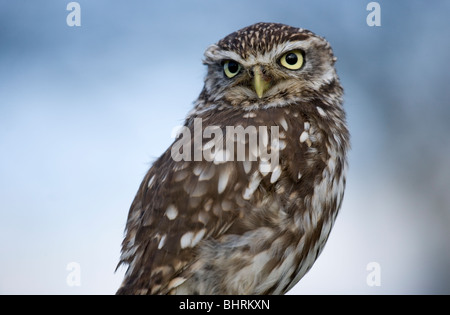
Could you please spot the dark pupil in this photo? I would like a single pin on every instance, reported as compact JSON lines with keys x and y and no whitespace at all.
{"x":233,"y":67}
{"x":291,"y":59}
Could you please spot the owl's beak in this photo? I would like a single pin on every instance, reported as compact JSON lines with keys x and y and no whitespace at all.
{"x":260,"y":81}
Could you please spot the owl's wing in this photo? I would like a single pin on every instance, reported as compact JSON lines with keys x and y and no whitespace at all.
{"x":182,"y":202}
{"x":178,"y":205}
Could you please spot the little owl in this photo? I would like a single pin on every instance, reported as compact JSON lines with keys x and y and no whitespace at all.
{"x":216,"y":214}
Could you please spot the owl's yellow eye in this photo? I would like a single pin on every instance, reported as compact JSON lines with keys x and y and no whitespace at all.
{"x":292,"y":60}
{"x":231,"y":68}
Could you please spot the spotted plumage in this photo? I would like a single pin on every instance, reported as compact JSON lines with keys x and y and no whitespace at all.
{"x":249,"y":216}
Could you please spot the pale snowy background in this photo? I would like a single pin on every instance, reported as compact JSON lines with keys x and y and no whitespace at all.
{"x":84,"y":111}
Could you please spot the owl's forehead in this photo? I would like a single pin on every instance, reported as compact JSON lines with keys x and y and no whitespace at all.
{"x":262,"y":38}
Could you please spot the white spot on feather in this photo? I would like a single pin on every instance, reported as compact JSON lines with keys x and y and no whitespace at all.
{"x":176,"y":282}
{"x":247,"y":166}
{"x":321,"y":111}
{"x":207,"y":173}
{"x":150,"y":182}
{"x":306,"y":125}
{"x":171,"y":212}
{"x":275,"y":174}
{"x":253,"y":184}
{"x":186,"y":239}
{"x":249,"y":115}
{"x":198,"y":169}
{"x":223,"y":181}
{"x":284,"y":124}
{"x":198,"y":237}
{"x":304,"y":136}
{"x":264,"y":167}
{"x":190,"y":239}
{"x":162,"y":241}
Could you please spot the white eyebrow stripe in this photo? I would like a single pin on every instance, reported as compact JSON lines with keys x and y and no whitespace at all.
{"x":251,"y":60}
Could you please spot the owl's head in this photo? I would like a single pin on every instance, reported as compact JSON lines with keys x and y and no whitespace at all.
{"x":268,"y":64}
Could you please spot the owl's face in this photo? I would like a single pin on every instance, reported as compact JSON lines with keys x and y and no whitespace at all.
{"x":267,"y":65}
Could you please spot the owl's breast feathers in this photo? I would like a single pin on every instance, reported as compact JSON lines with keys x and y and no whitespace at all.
{"x":233,"y":223}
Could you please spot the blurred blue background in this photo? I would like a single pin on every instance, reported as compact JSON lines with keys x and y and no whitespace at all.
{"x":85,"y":110}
